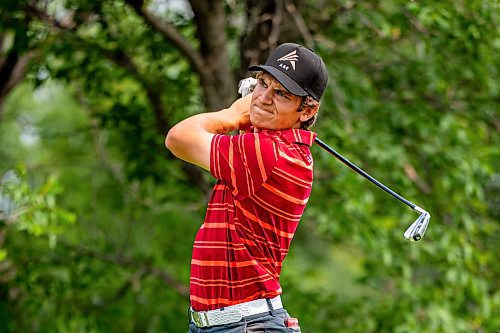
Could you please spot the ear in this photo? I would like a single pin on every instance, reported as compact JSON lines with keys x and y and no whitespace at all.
{"x":308,"y":113}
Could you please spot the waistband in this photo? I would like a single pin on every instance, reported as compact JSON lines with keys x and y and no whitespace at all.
{"x":234,"y":313}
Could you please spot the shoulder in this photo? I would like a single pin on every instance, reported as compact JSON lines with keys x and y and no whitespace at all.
{"x":244,"y":162}
{"x":259,"y":140}
{"x":257,"y":148}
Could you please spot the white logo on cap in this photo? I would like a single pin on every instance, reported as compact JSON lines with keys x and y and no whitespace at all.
{"x":292,"y":57}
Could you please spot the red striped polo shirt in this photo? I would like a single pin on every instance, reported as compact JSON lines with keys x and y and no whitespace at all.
{"x":264,"y":182}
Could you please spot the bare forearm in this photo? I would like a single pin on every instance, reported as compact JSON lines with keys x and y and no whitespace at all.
{"x":190,"y":139}
{"x":217,"y":122}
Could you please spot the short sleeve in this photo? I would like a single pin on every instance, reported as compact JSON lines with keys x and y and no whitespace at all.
{"x":243,"y":162}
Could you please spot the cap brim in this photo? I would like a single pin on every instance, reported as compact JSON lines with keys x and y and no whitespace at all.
{"x":282,"y":78}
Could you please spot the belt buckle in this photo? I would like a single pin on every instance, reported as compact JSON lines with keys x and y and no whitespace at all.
{"x":200,"y":318}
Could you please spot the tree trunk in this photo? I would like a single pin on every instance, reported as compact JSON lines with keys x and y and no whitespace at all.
{"x":13,"y":69}
{"x":218,"y":83}
{"x":269,"y":23}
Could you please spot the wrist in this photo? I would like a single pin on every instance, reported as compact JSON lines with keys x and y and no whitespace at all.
{"x":220,"y":122}
{"x":240,"y":112}
{"x":234,"y":119}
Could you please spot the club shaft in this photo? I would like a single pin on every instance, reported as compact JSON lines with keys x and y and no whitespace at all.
{"x":363,"y":173}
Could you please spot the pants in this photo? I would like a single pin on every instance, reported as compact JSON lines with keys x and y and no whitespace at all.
{"x":268,"y":322}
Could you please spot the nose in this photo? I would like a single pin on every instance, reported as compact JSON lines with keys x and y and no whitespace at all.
{"x":267,"y":95}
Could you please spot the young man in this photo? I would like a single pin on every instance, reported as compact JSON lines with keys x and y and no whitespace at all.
{"x":264,"y":182}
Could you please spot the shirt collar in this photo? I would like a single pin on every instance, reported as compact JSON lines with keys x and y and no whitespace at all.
{"x":294,"y":135}
{"x":301,"y":136}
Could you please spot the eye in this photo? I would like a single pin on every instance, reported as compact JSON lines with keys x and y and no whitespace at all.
{"x":262,"y":82}
{"x":283,"y":94}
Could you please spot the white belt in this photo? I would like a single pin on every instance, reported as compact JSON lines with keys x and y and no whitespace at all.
{"x":233,"y":313}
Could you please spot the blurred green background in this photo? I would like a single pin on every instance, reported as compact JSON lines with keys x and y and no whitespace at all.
{"x":97,"y":219}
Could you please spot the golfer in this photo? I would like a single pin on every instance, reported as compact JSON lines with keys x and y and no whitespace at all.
{"x":264,"y":181}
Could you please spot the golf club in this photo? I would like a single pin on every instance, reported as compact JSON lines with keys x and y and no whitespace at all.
{"x":416,"y":231}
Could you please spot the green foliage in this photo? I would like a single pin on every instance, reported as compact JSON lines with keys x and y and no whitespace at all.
{"x":412,"y":100}
{"x":119,"y":258}
{"x":34,"y":210}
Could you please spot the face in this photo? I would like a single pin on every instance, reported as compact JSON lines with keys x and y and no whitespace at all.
{"x":273,"y":107}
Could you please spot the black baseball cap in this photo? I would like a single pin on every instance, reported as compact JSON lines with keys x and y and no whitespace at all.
{"x":299,"y":69}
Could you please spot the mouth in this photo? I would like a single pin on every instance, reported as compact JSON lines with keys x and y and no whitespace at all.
{"x":260,"y":109}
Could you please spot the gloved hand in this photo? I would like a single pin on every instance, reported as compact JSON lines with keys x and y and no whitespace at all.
{"x":246,"y":86}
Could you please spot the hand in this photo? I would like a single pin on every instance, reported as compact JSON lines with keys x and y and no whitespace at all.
{"x":240,"y":112}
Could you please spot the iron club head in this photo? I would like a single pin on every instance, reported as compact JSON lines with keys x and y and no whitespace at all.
{"x":417,"y":230}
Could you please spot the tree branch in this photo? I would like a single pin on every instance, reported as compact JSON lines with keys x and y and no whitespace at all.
{"x":44,"y":17}
{"x":300,"y":23}
{"x":417,"y":180}
{"x":119,"y":58}
{"x":13,"y":71}
{"x":276,"y":25}
{"x":171,"y":34}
